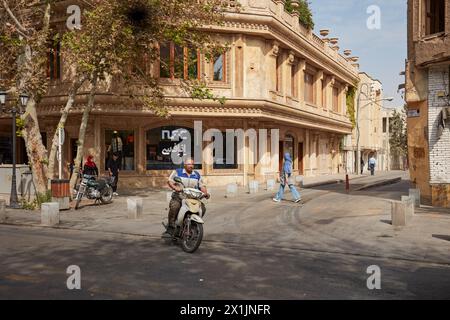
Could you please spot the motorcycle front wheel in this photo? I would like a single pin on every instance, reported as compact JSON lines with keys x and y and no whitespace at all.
{"x":191,"y":238}
{"x":107,"y":195}
{"x":78,"y":200}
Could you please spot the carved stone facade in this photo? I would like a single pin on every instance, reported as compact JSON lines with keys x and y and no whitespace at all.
{"x":277,"y":75}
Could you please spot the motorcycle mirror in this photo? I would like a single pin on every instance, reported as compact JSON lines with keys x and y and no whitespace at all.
{"x":178,"y":179}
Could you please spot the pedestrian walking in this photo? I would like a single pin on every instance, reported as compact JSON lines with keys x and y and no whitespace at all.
{"x":372,"y":163}
{"x":287,"y":178}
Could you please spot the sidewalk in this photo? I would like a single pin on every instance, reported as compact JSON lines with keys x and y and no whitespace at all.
{"x":330,"y":221}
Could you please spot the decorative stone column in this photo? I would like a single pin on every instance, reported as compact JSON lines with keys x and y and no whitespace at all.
{"x":301,"y":77}
{"x":318,"y":87}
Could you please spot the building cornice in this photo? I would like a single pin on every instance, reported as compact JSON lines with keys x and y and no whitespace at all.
{"x":233,"y":108}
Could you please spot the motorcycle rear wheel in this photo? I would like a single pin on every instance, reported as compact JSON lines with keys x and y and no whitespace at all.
{"x":107,"y":195}
{"x":190,"y":242}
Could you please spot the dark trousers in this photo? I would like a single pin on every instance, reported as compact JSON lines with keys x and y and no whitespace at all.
{"x":115,"y":177}
{"x":174,"y":208}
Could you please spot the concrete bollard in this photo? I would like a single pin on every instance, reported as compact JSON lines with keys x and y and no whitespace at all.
{"x":415,"y":193}
{"x":409,"y":206}
{"x":299,"y":181}
{"x":50,"y":213}
{"x":398,"y":213}
{"x":134,"y":208}
{"x":253,"y":186}
{"x":2,"y":210}
{"x":270,"y":185}
{"x":231,"y":190}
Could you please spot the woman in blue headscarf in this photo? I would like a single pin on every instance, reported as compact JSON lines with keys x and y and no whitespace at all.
{"x":285,"y":178}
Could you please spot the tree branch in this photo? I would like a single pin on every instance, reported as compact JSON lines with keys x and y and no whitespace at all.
{"x":19,"y":26}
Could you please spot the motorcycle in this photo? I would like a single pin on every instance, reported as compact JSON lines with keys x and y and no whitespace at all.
{"x":189,"y":222}
{"x":99,"y":190}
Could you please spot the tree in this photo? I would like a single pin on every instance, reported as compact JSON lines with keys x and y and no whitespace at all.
{"x":305,"y":14}
{"x":398,"y":137}
{"x":114,"y":37}
{"x":24,"y":30}
{"x":117,"y":36}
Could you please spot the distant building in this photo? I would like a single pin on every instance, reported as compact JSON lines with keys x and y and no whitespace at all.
{"x":370,"y":126}
{"x":392,"y":161}
{"x":427,"y":96}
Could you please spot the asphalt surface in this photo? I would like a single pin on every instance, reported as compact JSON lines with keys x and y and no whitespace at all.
{"x":34,"y":261}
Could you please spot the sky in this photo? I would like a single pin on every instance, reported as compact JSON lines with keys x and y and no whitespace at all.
{"x":382,"y":51}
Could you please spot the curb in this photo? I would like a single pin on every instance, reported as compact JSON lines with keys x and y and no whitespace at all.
{"x":379,"y":183}
{"x":328,"y":182}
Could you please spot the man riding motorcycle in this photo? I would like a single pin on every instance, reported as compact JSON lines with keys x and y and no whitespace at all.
{"x":190,"y":179}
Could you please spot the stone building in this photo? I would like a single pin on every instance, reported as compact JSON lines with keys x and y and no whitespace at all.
{"x":370,"y":120}
{"x":276,"y":75}
{"x":428,"y":100}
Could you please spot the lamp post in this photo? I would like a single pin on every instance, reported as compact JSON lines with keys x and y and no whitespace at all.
{"x":367,"y":94}
{"x":13,"y":200}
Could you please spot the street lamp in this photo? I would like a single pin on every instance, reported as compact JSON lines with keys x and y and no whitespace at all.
{"x":13,"y":200}
{"x":367,"y":94}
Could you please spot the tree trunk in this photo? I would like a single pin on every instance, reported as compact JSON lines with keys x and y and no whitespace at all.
{"x":82,"y":133}
{"x":62,"y":122}
{"x":37,"y":154}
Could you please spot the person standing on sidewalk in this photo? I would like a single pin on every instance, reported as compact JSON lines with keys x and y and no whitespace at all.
{"x":286,"y":178}
{"x":113,"y":167}
{"x":372,"y":163}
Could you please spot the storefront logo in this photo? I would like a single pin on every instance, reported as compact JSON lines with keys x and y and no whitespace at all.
{"x":227,"y":146}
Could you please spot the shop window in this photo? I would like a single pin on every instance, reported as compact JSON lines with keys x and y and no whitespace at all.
{"x":122,"y":142}
{"x":309,"y":88}
{"x":5,"y":150}
{"x":54,"y":61}
{"x":435,"y":16}
{"x":162,"y":142}
{"x":222,"y":163}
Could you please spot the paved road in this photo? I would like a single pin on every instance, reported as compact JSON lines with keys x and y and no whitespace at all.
{"x":312,"y":253}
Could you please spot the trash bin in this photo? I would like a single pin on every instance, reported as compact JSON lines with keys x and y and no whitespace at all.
{"x":61,"y":193}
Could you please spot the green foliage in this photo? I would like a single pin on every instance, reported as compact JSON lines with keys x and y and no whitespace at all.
{"x":36,"y":202}
{"x":29,"y":205}
{"x":305,"y":13}
{"x":20,"y":124}
{"x":200,"y":91}
{"x":398,"y":137}
{"x":350,"y":99}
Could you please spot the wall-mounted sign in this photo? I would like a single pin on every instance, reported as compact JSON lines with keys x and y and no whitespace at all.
{"x":413,"y":113}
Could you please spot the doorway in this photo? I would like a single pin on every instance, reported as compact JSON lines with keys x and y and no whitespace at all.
{"x":300,"y":158}
{"x":281,"y":154}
